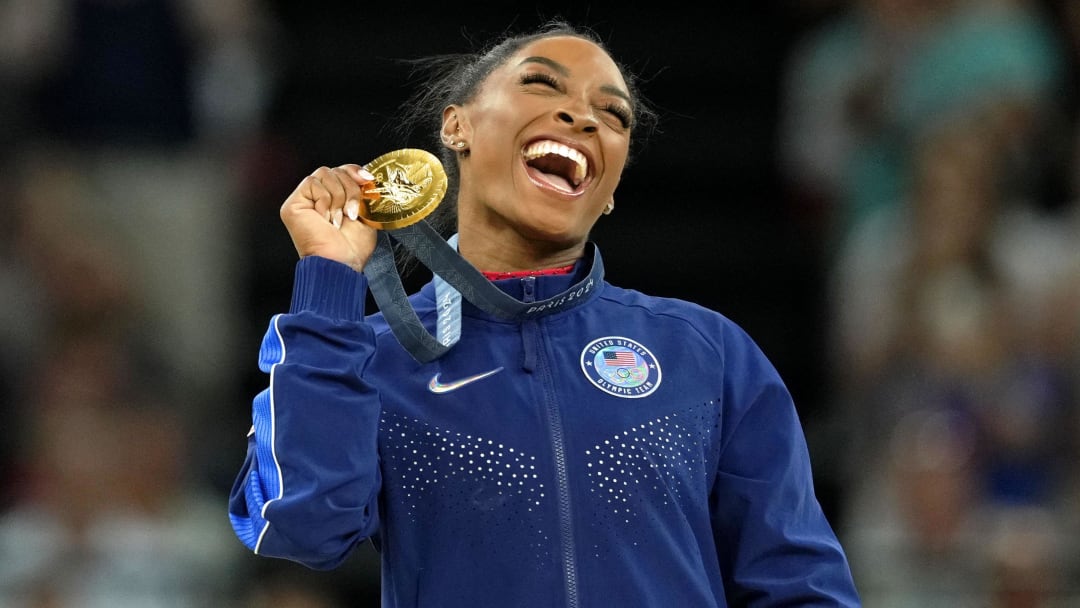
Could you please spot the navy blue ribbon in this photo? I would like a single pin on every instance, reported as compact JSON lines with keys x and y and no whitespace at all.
{"x":447,"y":265}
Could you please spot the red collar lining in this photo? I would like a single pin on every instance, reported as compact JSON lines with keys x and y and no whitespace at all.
{"x":517,"y":274}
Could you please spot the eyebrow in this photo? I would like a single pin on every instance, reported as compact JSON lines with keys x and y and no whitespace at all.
{"x":564,"y":71}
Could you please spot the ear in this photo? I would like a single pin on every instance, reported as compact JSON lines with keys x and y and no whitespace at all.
{"x":451,"y":134}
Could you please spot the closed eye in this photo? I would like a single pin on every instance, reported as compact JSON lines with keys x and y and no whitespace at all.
{"x":532,"y":77}
{"x":619,"y":111}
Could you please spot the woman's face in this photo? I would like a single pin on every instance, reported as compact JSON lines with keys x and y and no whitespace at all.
{"x":548,"y":135}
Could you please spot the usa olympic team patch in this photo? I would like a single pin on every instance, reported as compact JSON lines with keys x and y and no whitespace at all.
{"x":621,"y":367}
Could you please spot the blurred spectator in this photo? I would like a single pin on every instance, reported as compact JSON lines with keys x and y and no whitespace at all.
{"x":123,"y":75}
{"x":122,"y":125}
{"x":860,"y":87}
{"x":1068,"y":15}
{"x":289,"y":585}
{"x":278,"y":593}
{"x":920,"y":139}
{"x":136,"y":72}
{"x":106,"y":511}
{"x":106,"y":515}
{"x":152,"y":102}
{"x":914,"y":538}
{"x":955,"y":310}
{"x":58,"y":279}
{"x":1027,"y":550}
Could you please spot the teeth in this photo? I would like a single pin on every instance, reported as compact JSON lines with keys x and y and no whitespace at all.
{"x":540,"y":148}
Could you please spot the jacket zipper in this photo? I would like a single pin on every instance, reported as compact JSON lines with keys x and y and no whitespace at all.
{"x":531,"y":338}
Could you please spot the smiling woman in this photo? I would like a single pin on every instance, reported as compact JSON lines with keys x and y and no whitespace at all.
{"x":540,"y":460}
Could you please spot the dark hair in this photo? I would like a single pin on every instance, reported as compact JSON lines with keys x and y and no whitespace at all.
{"x":455,"y":78}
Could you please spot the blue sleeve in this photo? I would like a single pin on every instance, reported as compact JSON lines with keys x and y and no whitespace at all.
{"x":308,"y":489}
{"x":775,"y":544}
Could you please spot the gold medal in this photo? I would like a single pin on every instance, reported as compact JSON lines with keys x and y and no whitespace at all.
{"x":409,"y":184}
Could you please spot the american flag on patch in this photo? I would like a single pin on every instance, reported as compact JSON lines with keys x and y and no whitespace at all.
{"x":619,"y":357}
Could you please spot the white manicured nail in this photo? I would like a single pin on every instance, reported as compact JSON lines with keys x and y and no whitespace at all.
{"x":352,"y":209}
{"x":337,"y":218}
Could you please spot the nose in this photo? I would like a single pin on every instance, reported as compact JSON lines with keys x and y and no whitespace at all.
{"x":580,"y":120}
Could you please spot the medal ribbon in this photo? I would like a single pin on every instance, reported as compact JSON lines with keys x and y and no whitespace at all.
{"x":461,"y":279}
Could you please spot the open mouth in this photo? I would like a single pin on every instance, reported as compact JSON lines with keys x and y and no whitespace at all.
{"x":556,"y":165}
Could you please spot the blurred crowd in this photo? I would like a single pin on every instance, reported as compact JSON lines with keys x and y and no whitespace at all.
{"x":931,"y":147}
{"x":130,"y":131}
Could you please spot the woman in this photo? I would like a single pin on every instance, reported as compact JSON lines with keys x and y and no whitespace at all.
{"x":626,"y":450}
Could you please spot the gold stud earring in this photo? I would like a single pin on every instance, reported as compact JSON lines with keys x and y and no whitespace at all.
{"x":608,"y":208}
{"x":460,"y":144}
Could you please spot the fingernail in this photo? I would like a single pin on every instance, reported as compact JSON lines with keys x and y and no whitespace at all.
{"x":352,"y":209}
{"x":337,"y":218}
{"x":365,"y":174}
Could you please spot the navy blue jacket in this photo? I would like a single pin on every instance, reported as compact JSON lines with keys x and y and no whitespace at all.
{"x":632,"y":451}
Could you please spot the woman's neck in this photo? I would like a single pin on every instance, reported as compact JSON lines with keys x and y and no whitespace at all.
{"x":511,"y":253}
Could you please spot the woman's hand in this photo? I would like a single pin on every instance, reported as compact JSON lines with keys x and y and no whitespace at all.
{"x":321,"y":216}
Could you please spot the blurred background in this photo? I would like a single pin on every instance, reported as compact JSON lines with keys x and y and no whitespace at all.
{"x":884,"y":193}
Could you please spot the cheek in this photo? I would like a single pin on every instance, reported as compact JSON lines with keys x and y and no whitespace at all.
{"x":492,"y":167}
{"x":613,"y":170}
{"x":616,"y":147}
{"x":492,"y":146}
{"x":495,"y":116}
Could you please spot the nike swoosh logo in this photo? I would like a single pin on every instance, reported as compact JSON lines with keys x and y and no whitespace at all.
{"x":438,"y":387}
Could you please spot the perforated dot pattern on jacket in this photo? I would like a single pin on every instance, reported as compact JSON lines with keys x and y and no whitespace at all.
{"x":461,"y":482}
{"x":437,"y":474}
{"x":429,"y":456}
{"x":659,"y":464}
